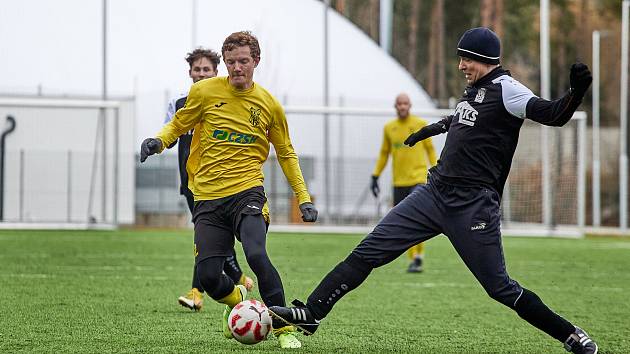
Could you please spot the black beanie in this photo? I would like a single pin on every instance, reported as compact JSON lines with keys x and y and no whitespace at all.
{"x":480,"y":44}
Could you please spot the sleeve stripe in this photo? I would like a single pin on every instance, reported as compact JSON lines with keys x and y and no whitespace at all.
{"x":515,"y":96}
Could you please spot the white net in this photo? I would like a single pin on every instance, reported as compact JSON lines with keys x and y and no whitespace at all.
{"x":523,"y":198}
{"x":68,"y":163}
{"x":349,"y":139}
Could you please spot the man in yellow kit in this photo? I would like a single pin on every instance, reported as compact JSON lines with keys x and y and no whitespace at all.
{"x":203,"y":64}
{"x":234,"y":120}
{"x":409,"y":167}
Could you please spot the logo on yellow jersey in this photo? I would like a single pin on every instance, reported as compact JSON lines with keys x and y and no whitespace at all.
{"x":233,"y":137}
{"x":254,"y":116}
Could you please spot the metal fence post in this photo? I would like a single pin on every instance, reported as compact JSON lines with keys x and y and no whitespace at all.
{"x":69,"y":187}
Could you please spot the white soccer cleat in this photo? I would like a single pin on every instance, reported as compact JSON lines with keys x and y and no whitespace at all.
{"x":192,"y":300}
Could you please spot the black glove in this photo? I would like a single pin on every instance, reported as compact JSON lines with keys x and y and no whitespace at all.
{"x":149,"y":147}
{"x":309,"y":213}
{"x":374,"y":187}
{"x":580,"y":78}
{"x":416,"y":137}
{"x":429,"y":131}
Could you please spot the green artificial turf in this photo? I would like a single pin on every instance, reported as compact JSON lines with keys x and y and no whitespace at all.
{"x":101,"y":292}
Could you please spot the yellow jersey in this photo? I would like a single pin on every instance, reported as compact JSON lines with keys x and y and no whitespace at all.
{"x":231,"y":140}
{"x":409,"y":164}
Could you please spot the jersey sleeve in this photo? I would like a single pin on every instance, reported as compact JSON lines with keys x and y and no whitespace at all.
{"x":383,"y":155}
{"x":553,"y":113}
{"x":287,"y":158}
{"x":184,"y":119}
{"x":515,"y":96}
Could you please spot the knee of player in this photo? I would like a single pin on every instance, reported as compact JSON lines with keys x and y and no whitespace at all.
{"x":506,"y":295}
{"x":356,"y":261}
{"x":208,"y":274}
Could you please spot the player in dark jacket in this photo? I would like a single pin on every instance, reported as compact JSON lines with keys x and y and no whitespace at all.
{"x":463,"y":194}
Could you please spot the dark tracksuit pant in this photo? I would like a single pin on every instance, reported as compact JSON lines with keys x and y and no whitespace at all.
{"x":468,"y":216}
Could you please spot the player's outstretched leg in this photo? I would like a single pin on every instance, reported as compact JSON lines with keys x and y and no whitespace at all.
{"x":253,"y":232}
{"x":489,"y":268}
{"x":531,"y":308}
{"x":345,"y":277}
{"x":487,"y":264}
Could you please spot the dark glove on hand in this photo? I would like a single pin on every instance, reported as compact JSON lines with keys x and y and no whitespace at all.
{"x":429,"y":131}
{"x":375,"y":189}
{"x":580,"y":78}
{"x":149,"y":147}
{"x":414,"y":138}
{"x":309,"y":213}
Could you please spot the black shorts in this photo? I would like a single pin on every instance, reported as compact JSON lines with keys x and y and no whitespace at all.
{"x":217,"y":221}
{"x":401,"y":193}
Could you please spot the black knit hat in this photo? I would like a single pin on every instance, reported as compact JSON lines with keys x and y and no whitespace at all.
{"x":480,"y":44}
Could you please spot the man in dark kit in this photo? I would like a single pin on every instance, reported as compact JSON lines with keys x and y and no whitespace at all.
{"x":462,"y":197}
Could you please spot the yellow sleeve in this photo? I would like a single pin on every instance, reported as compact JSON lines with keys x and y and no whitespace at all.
{"x":184,"y":119}
{"x":428,"y":147}
{"x":287,"y":158}
{"x":383,"y":155}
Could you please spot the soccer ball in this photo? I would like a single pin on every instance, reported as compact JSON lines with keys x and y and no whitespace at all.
{"x":249,"y":321}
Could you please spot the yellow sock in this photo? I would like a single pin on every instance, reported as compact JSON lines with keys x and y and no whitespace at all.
{"x":420,"y":249}
{"x":241,"y":280}
{"x":232,"y":299}
{"x":411,"y":252}
{"x":416,"y":251}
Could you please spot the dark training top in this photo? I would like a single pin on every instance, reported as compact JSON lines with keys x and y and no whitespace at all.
{"x":183,"y":146}
{"x":483,"y":131}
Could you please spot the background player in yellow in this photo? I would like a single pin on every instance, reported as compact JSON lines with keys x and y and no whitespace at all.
{"x":235,"y":120}
{"x":202,"y":64}
{"x":409,"y":165}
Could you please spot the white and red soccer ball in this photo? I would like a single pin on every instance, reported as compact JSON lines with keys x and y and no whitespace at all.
{"x":249,"y":321}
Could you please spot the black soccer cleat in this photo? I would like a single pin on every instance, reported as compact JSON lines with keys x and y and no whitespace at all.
{"x":415,"y":266}
{"x":580,"y":343}
{"x":299,"y":316}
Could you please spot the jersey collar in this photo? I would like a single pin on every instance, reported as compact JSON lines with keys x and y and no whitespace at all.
{"x":496,"y":72}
